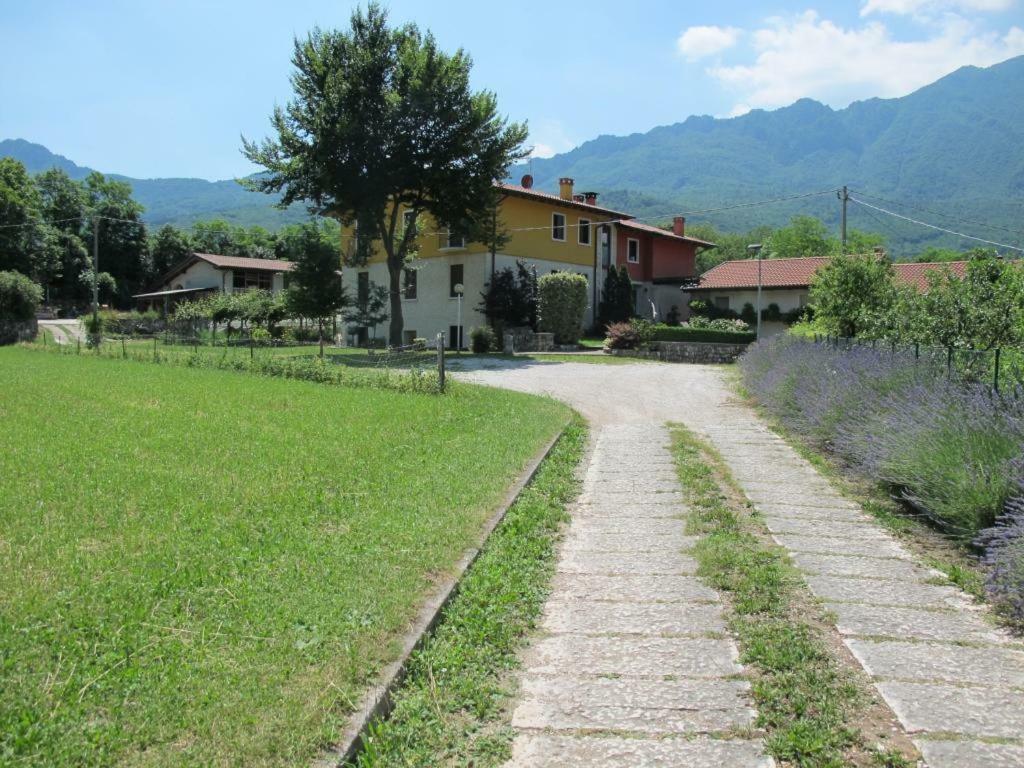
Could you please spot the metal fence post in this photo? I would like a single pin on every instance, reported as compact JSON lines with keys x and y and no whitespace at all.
{"x":949,"y":363}
{"x":154,"y":349}
{"x":995,"y":382}
{"x":78,"y":346}
{"x":440,"y":361}
{"x":124,"y":349}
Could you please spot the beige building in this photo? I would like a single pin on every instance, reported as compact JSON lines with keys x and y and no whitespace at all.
{"x":202,"y":273}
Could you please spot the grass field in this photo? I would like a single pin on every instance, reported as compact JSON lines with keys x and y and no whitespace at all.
{"x":200,"y":567}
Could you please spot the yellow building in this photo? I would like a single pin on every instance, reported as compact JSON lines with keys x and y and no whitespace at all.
{"x":551,"y":232}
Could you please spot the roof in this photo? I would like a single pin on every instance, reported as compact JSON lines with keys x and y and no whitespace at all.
{"x":797,"y":273}
{"x":244,"y":262}
{"x":536,"y":194}
{"x":632,"y":224}
{"x":175,"y":292}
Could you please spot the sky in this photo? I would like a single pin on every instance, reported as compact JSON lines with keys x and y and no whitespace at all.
{"x":162,"y":88}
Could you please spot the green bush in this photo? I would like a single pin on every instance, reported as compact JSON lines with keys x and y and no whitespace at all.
{"x":483,"y":339}
{"x":621,"y":336}
{"x":709,"y":335}
{"x":563,"y":302}
{"x":260,"y":337}
{"x":19,"y":297}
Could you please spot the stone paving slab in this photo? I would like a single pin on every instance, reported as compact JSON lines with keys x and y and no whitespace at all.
{"x":893,"y":659}
{"x":943,"y":708}
{"x":663,"y":562}
{"x":815,"y":544}
{"x":828,"y":529}
{"x":544,"y":750}
{"x":618,"y":542}
{"x":632,"y":588}
{"x":633,"y":656}
{"x":866,"y":567}
{"x":970,"y":754}
{"x":883,"y":592}
{"x":601,"y":618}
{"x":641,"y":526}
{"x":630,"y":511}
{"x":905,"y":622}
{"x":838,"y":514}
{"x":631,"y":705}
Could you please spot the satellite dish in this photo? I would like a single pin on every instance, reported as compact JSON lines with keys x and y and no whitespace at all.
{"x":527,"y":181}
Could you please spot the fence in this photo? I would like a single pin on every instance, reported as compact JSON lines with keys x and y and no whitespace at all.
{"x":1001,"y":368}
{"x":420,"y":357}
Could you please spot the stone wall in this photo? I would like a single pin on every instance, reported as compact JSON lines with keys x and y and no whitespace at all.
{"x":12,"y":332}
{"x":685,"y":352}
{"x":526,"y":340}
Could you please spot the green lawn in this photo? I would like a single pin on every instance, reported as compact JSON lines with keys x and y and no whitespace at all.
{"x":201,"y":567}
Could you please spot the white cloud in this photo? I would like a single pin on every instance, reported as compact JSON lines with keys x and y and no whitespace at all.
{"x":811,"y":56}
{"x":541,"y":149}
{"x":699,"y":42}
{"x":549,"y":137}
{"x":930,"y":7}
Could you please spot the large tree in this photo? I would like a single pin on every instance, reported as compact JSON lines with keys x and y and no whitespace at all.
{"x":167,"y":247}
{"x":123,"y":246}
{"x":851,"y":293}
{"x":316,"y":290}
{"x":384,"y":122}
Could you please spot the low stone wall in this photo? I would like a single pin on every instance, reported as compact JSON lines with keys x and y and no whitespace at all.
{"x":12,"y":332}
{"x":685,"y":352}
{"x":526,"y":340}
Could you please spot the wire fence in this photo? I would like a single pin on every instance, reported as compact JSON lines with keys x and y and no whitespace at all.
{"x":422,"y":356}
{"x":1001,"y":368}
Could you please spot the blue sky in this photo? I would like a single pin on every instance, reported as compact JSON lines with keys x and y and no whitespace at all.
{"x":164,"y":88}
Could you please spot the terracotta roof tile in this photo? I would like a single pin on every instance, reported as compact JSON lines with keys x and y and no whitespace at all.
{"x":917,"y":274}
{"x":243,"y":262}
{"x":516,"y":189}
{"x":797,"y":273}
{"x":662,"y":232}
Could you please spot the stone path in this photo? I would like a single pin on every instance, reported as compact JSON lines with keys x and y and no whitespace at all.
{"x":633,"y":666}
{"x":955,"y":682}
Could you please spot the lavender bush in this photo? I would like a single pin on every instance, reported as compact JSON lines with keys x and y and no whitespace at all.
{"x":947,"y":446}
{"x":1004,"y":555}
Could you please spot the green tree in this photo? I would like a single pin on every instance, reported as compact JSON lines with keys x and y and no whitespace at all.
{"x":27,"y":243}
{"x":803,"y":236}
{"x":370,"y":309}
{"x":63,"y":203}
{"x":851,"y":292}
{"x":563,"y":303}
{"x":123,"y":246}
{"x":19,"y":296}
{"x":616,"y":304}
{"x":509,"y":299}
{"x":167,"y":247}
{"x":315,"y":290}
{"x":384,"y":122}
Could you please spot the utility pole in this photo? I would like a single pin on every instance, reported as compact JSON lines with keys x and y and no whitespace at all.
{"x":844,"y":197}
{"x":95,"y":269}
{"x":755,"y":248}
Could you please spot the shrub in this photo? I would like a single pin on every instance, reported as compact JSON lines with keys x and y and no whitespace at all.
{"x":260,"y":337}
{"x":621,"y":336}
{"x":93,"y":329}
{"x":19,"y":297}
{"x":562,"y":304}
{"x":483,"y":339}
{"x":718,"y":324}
{"x":688,"y":332}
{"x":1004,"y":555}
{"x":748,"y":314}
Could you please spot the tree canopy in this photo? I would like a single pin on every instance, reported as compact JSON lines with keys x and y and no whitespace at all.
{"x":382,"y":121}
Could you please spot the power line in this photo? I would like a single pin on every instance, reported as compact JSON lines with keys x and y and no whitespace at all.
{"x":936,"y":227}
{"x":943,"y":214}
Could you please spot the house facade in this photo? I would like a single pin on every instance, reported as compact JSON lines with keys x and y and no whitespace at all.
{"x":204,"y":273}
{"x":787,"y":283}
{"x":550,"y":232}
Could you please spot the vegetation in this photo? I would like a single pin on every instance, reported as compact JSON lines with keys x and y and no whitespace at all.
{"x":384,"y":123}
{"x":483,"y":339}
{"x":639,"y":333}
{"x":452,"y":707}
{"x":561,"y":305}
{"x":235,"y":612}
{"x":316,"y":290}
{"x":19,"y":297}
{"x":616,"y":298}
{"x":807,"y":702}
{"x":509,"y":299}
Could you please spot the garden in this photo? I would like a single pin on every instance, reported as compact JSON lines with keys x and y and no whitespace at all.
{"x":199,"y":564}
{"x":910,"y":401}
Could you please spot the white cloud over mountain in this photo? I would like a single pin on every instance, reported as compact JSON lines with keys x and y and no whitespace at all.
{"x":699,"y":42}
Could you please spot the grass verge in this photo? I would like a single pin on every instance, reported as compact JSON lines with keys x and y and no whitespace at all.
{"x":200,"y":567}
{"x":452,"y":708}
{"x":814,"y":709}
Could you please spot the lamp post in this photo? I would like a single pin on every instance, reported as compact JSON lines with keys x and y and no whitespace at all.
{"x":459,"y":290}
{"x":755,"y":248}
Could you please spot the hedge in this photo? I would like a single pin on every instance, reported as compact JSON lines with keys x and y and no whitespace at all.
{"x":681,"y":333}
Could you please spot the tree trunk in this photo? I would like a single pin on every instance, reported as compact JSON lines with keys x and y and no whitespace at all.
{"x":397,"y":324}
{"x":321,"y":338}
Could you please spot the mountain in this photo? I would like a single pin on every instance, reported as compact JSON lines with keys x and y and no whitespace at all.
{"x":955,"y":148}
{"x":949,"y":152}
{"x":171,"y":201}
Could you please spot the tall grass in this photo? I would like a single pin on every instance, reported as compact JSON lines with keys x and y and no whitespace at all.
{"x":947,"y":446}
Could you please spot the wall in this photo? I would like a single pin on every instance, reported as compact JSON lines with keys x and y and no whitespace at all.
{"x":433,"y":311}
{"x":673,"y":258}
{"x":202,"y":274}
{"x":686,"y":352}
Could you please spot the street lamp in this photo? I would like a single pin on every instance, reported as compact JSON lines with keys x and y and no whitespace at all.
{"x":459,"y":290}
{"x":755,"y":248}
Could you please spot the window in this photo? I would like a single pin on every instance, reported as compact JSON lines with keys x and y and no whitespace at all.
{"x":409,"y":289}
{"x":558,"y":226}
{"x":583,"y":235}
{"x":802,"y":300}
{"x":251,"y":279}
{"x":606,"y":246}
{"x":633,"y":251}
{"x":722,"y":302}
{"x":454,"y":337}
{"x":450,"y":238}
{"x":363,"y":287}
{"x":409,"y":221}
{"x":455,"y":273}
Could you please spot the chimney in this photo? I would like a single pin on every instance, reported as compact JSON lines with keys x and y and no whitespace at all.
{"x":565,"y":188}
{"x":590,"y":198}
{"x":527,"y":181}
{"x":679,"y":226}
{"x":577,"y":198}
